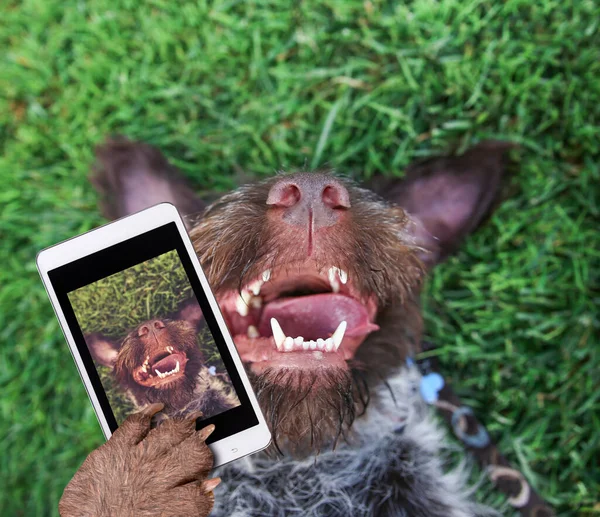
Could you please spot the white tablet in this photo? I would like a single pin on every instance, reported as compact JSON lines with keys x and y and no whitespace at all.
{"x":143,"y":326}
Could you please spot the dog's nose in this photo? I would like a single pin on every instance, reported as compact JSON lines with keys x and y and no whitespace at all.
{"x":310,"y":199}
{"x":146,"y":327}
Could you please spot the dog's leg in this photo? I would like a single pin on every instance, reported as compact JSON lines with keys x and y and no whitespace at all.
{"x":131,"y":176}
{"x":448,"y":197}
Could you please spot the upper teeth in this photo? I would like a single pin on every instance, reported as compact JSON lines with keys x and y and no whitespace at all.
{"x":166,"y":374}
{"x":242,"y":301}
{"x":170,"y":349}
{"x":335,"y":273}
{"x":255,"y":287}
{"x":288,"y":344}
{"x":249,"y":297}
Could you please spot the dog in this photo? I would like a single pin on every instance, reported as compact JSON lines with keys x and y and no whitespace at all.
{"x":318,"y":279}
{"x":160,"y":361}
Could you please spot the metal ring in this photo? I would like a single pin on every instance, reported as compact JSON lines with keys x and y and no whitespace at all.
{"x":479,"y":440}
{"x":522,"y":498}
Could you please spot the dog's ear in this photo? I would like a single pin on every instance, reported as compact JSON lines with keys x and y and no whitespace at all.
{"x":103,"y":350}
{"x":131,"y":176}
{"x":449,"y":197}
{"x":191,"y":312}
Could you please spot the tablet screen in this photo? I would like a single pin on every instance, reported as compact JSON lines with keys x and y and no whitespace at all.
{"x":147,"y":334}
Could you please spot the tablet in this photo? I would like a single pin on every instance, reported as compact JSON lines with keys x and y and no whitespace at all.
{"x":143,"y":326}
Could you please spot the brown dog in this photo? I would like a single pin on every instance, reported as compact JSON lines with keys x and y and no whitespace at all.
{"x":139,"y":362}
{"x":318,"y":280}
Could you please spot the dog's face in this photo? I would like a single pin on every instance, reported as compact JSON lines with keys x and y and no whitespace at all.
{"x":304,"y":266}
{"x":157,"y":361}
{"x":158,"y":355}
{"x":301,"y":285}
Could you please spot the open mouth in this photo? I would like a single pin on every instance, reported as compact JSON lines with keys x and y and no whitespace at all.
{"x":162,"y":368}
{"x":299,"y":316}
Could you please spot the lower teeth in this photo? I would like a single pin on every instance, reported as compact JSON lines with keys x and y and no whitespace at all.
{"x":288,"y":344}
{"x":166,"y":374}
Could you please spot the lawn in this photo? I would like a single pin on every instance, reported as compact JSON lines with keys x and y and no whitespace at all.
{"x":233,"y":90}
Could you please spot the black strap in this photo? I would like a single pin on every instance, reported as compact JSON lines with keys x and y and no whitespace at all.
{"x":474,"y":436}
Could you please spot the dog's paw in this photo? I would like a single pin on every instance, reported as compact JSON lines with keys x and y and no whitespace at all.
{"x":146,"y":472}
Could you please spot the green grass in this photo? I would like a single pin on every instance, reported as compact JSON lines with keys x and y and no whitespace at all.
{"x":364,"y":86}
{"x":114,"y":305}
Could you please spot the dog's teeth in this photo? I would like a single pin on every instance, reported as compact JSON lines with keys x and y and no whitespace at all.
{"x":338,"y":335}
{"x":278,"y":334}
{"x":266,"y":275}
{"x":320,"y":344}
{"x":333,"y":279}
{"x":256,"y":302}
{"x":328,"y":344}
{"x":334,"y":273}
{"x":306,"y":345}
{"x":144,"y":368}
{"x":159,"y":374}
{"x":255,"y":287}
{"x":299,"y":341}
{"x":241,"y":305}
{"x":170,"y":349}
{"x":343,"y":276}
{"x":177,"y":367}
{"x":288,"y":344}
{"x":253,"y":331}
{"x":313,"y":345}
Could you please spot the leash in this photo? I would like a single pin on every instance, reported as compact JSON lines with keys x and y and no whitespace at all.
{"x":474,"y":436}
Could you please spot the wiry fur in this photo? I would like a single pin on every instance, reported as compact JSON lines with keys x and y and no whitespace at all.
{"x":236,"y":241}
{"x":144,"y":472}
{"x":306,"y":409}
{"x":389,"y":455}
{"x":391,"y":465}
{"x":211,"y":395}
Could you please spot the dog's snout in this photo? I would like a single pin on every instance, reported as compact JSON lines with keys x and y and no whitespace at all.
{"x":309,"y":199}
{"x":155,"y":325}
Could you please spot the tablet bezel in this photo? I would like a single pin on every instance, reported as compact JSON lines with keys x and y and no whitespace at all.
{"x":225,"y":450}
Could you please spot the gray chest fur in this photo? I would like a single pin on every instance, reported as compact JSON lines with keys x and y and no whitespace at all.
{"x":391,"y":466}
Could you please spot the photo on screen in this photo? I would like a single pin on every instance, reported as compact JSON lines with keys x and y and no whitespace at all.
{"x":149,"y":342}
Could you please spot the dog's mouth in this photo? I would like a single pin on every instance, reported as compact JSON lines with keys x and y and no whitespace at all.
{"x":163,"y":368}
{"x":299,"y":316}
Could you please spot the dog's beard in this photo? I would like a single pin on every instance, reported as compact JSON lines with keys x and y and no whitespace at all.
{"x":310,"y":409}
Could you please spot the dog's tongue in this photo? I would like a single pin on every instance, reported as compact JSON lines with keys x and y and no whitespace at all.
{"x":168,"y":363}
{"x":316,"y":316}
